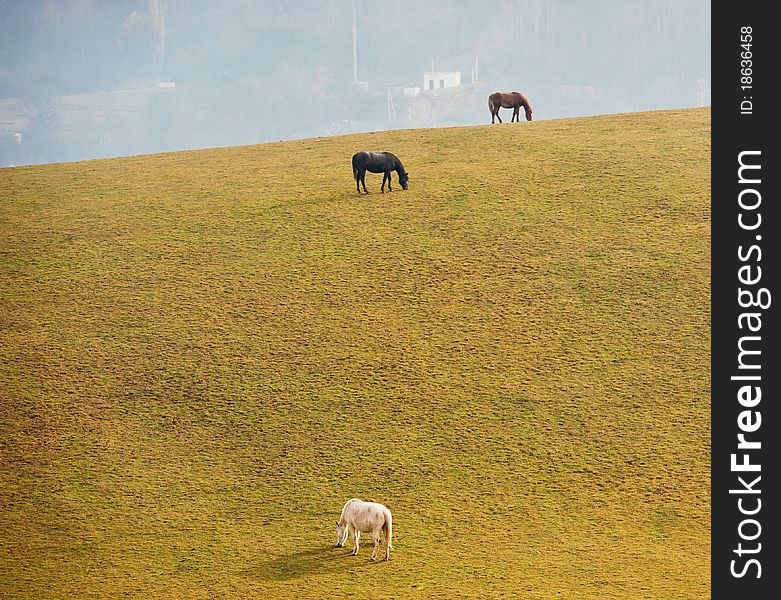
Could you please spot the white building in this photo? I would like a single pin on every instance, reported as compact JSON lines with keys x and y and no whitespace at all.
{"x":438,"y":80}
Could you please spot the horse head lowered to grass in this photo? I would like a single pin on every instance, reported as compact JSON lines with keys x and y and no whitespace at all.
{"x":378,"y":162}
{"x":514,"y":100}
{"x":365,"y":517}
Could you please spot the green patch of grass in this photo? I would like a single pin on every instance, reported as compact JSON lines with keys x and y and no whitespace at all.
{"x":204,"y":354}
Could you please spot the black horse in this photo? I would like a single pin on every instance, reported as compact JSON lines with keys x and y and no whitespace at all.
{"x":378,"y":162}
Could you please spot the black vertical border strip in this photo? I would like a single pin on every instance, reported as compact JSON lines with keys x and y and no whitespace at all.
{"x":731,"y":134}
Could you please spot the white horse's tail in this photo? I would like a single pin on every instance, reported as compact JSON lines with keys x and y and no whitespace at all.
{"x":388,"y":529}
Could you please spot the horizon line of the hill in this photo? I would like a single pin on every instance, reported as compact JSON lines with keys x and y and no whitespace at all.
{"x":359,"y":133}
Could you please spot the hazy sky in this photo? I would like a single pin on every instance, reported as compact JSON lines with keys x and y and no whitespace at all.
{"x":83,"y":78}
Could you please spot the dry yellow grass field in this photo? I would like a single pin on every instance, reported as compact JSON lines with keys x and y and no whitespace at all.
{"x":204,"y":354}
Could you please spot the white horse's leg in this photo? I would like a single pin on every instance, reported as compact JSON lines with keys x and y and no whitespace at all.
{"x":376,"y":535}
{"x":356,"y":540}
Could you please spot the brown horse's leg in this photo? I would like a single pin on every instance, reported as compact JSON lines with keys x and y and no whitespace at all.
{"x":497,"y":115}
{"x":515,"y":115}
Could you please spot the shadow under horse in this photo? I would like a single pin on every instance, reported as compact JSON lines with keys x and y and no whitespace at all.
{"x":378,"y":162}
{"x":308,"y":563}
{"x":514,"y":100}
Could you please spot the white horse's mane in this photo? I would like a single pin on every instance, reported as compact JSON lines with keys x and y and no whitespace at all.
{"x":346,"y":504}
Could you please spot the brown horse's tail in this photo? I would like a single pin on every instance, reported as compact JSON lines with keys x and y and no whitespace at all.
{"x":491,"y":104}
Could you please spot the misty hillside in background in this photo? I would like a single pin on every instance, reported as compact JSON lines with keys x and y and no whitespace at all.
{"x":81,"y":79}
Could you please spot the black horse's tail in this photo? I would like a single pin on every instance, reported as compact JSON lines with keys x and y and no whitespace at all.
{"x":355,"y":174}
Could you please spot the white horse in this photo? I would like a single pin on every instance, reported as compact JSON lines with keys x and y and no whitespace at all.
{"x":364,"y":517}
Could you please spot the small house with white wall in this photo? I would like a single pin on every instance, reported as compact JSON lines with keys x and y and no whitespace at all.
{"x":438,"y":80}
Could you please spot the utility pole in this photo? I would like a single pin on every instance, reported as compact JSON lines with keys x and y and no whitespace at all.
{"x":391,"y":106}
{"x":157,"y":11}
{"x":355,"y":46}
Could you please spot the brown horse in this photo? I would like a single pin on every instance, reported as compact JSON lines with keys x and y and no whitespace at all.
{"x":512,"y":100}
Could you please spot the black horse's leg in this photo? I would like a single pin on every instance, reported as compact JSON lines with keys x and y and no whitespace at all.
{"x":358,"y":180}
{"x":361,"y":176}
{"x":384,"y":177}
{"x":390,"y":189}
{"x":363,"y":181}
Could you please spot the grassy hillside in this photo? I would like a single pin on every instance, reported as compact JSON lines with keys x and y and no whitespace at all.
{"x":204,"y":354}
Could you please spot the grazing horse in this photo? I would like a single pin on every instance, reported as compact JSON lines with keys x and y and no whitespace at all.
{"x":512,"y":100}
{"x":378,"y":162}
{"x":364,"y":517}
